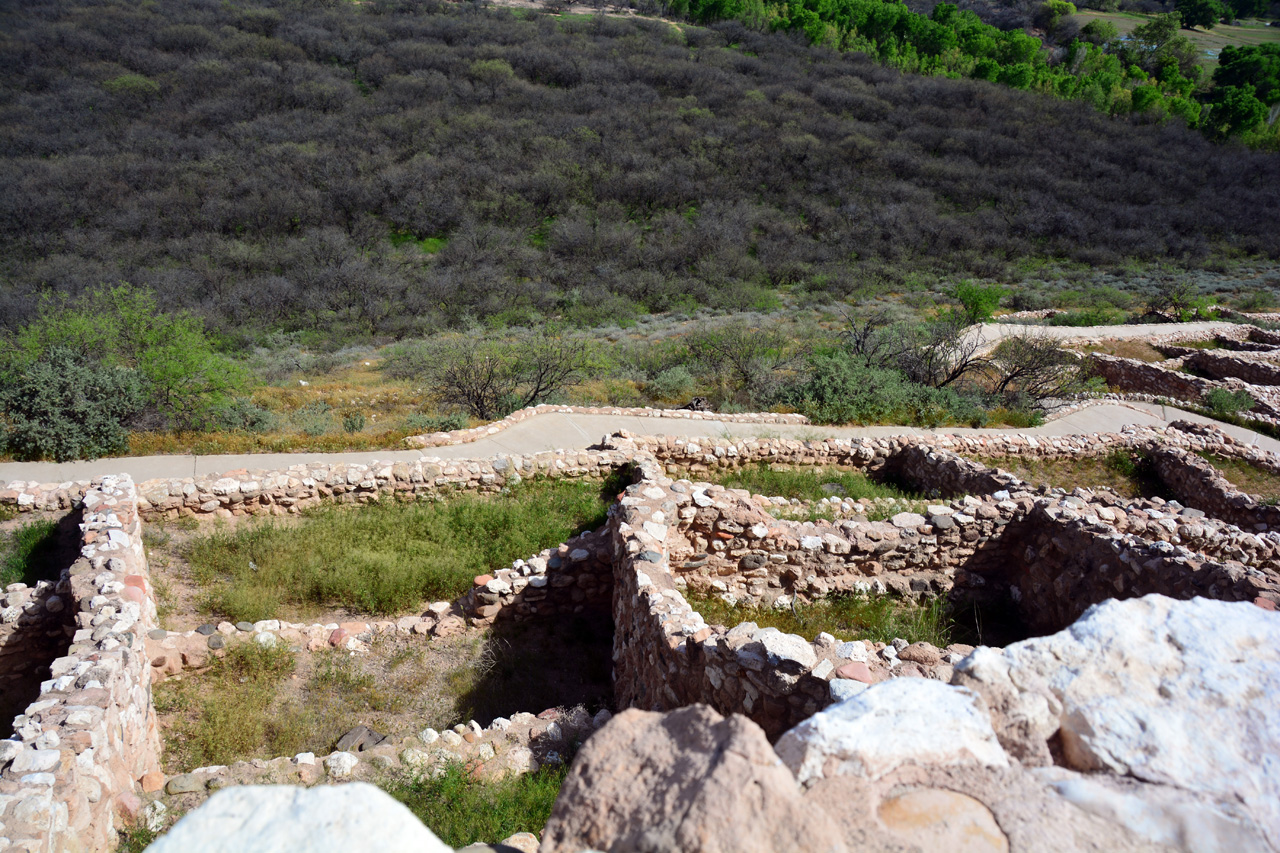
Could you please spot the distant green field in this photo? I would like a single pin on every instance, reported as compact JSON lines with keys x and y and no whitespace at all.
{"x":1210,"y":41}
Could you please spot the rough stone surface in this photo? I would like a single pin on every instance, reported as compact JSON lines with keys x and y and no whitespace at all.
{"x":688,"y":780}
{"x":283,"y":818}
{"x":936,"y":819}
{"x":902,"y":721}
{"x":1181,"y":693}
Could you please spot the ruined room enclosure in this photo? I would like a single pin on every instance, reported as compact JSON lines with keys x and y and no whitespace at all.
{"x":36,"y":623}
{"x":621,"y":593}
{"x":232,"y":691}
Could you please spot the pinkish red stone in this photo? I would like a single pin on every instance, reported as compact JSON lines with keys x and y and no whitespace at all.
{"x":338,"y":637}
{"x":856,"y":671}
{"x":135,"y":580}
{"x":353,"y":628}
{"x":1265,"y":603}
{"x":133,"y":594}
{"x":128,"y":806}
{"x":481,"y":580}
{"x":549,"y":714}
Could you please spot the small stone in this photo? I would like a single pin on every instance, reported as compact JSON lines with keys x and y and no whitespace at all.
{"x":157,"y":633}
{"x":921,"y":653}
{"x":217,"y":641}
{"x":247,"y":627}
{"x":340,"y":764}
{"x":207,"y":629}
{"x":525,"y":842}
{"x":187,"y":783}
{"x":9,"y":750}
{"x":152,"y":782}
{"x":855,"y":650}
{"x":856,"y":671}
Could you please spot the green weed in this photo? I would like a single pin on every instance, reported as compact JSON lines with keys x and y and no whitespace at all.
{"x":807,"y":484}
{"x":386,"y":558}
{"x":846,"y":617}
{"x":462,"y":810}
{"x":229,"y":713}
{"x":29,"y":555}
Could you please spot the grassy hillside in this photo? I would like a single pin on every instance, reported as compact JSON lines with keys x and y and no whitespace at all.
{"x":384,"y":169}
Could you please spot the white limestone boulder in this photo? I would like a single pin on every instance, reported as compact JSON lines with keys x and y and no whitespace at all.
{"x":891,"y":724}
{"x":350,"y":818}
{"x":1177,"y":693}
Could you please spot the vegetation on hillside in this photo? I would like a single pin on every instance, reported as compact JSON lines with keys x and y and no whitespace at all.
{"x":384,"y":169}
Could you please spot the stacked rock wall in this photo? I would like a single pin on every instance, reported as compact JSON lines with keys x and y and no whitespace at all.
{"x":79,"y":749}
{"x":1073,"y":556}
{"x":1143,"y":378}
{"x":1220,"y":365}
{"x":1198,"y":483}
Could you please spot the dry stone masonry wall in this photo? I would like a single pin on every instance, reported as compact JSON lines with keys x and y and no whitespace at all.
{"x":69,"y":772}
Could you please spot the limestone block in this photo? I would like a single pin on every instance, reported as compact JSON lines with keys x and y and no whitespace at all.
{"x":279,"y":819}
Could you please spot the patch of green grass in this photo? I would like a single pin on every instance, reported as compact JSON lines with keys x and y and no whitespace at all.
{"x":389,"y":557}
{"x":462,"y":810}
{"x":1121,"y":471}
{"x":29,"y":553}
{"x":806,"y":484}
{"x":229,"y":713}
{"x":427,"y":245}
{"x":846,"y":617}
{"x":1247,"y":478}
{"x":135,"y":838}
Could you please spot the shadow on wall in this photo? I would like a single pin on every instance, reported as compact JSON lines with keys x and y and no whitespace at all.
{"x":37,"y":623}
{"x":541,"y":663}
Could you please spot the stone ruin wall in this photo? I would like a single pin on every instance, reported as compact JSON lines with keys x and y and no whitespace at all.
{"x":663,"y":538}
{"x":1248,"y":366}
{"x":70,"y":770}
{"x":1218,"y":365}
{"x":670,"y":537}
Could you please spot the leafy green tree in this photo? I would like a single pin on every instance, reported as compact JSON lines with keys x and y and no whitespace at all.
{"x":1255,"y":65}
{"x":1233,"y":110}
{"x":1100,"y":32}
{"x":979,"y":301}
{"x":65,"y":406}
{"x":1200,"y":13}
{"x":185,"y":380}
{"x":493,"y":74}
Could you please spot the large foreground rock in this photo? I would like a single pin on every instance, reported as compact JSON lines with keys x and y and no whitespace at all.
{"x":1184,"y":694}
{"x":689,"y":781}
{"x":352,"y":818}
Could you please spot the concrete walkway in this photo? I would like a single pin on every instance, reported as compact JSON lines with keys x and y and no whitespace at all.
{"x":993,"y":333}
{"x":576,"y":431}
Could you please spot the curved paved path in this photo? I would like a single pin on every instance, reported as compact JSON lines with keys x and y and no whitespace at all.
{"x":576,"y":431}
{"x":993,"y":333}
